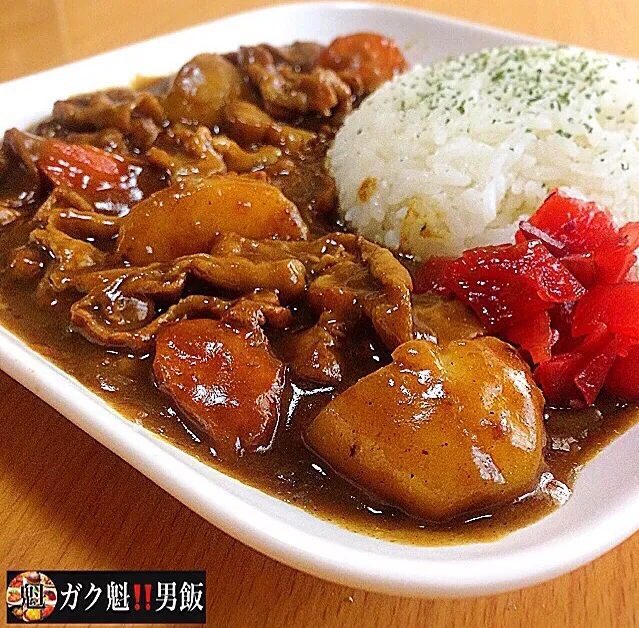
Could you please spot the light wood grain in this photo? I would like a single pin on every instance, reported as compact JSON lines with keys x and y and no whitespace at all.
{"x":68,"y":503}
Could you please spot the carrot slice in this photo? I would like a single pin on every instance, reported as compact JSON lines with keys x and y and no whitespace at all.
{"x":373,"y":58}
{"x":224,"y":378}
{"x":103,"y":178}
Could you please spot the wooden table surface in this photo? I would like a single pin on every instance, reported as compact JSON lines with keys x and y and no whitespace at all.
{"x":66,"y":502}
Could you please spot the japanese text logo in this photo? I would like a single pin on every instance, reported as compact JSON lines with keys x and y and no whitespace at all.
{"x":116,"y":597}
{"x":31,"y":596}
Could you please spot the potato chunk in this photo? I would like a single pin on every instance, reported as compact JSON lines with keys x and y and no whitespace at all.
{"x":439,"y":432}
{"x":185,"y":219}
{"x":443,"y":319}
{"x":202,"y":89}
{"x":224,"y":378}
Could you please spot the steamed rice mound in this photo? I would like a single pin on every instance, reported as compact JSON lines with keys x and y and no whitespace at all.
{"x":454,"y":155}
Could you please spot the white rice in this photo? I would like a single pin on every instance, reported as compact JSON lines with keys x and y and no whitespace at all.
{"x":454,"y":155}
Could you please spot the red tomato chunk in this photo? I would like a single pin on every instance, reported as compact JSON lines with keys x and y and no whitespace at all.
{"x":590,"y":243}
{"x":563,"y":293}
{"x":507,"y":284}
{"x":623,"y":379}
{"x":614,"y":306}
{"x":535,"y":336}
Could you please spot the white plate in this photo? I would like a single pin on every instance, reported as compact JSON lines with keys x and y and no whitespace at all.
{"x":604,"y":509}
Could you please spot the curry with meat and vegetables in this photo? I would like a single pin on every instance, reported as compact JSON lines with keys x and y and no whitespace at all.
{"x":175,"y":247}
